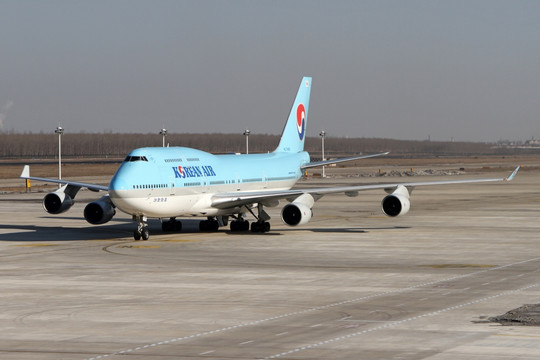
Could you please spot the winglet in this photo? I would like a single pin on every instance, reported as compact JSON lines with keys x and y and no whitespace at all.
{"x":26,"y":172}
{"x":513,"y":174}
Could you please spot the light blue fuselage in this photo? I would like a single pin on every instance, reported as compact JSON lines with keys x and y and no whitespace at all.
{"x":177,"y":181}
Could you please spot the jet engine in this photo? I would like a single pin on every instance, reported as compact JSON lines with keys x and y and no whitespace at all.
{"x":299,"y":211}
{"x":58,"y":201}
{"x":99,"y":211}
{"x":397,"y":203}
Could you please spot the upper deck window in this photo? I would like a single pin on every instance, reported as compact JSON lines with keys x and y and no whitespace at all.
{"x":135,"y":158}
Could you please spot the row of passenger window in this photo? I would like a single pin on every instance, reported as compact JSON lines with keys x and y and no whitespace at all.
{"x":180,"y":160}
{"x":143,"y":158}
{"x":162,"y":186}
{"x":150,"y":186}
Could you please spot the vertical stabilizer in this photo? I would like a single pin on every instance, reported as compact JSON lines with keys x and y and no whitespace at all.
{"x":294,"y":133}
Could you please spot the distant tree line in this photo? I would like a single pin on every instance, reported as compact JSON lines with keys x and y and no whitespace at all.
{"x":40,"y":145}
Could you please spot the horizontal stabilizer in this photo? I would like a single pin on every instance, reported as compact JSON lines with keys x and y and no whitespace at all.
{"x":336,"y":161}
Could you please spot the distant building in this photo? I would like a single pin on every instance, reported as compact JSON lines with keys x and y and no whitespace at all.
{"x":519,"y":144}
{"x":532,"y":142}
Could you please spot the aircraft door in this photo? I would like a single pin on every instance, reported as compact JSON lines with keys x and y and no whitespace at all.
{"x":204,"y":183}
{"x":172,"y":185}
{"x":238,"y":186}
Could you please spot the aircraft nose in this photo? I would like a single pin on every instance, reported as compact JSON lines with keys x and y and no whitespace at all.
{"x":118,"y":182}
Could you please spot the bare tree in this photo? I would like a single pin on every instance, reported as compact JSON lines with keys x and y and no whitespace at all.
{"x":41,"y":145}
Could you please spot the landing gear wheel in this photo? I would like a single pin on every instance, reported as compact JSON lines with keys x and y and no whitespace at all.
{"x":239,"y":225}
{"x":142,"y":228}
{"x":171,"y":225}
{"x":203,"y":225}
{"x":166,"y":226}
{"x":261,"y":227}
{"x":177,"y":226}
{"x":255,"y":227}
{"x":145,"y":234}
{"x":210,"y":225}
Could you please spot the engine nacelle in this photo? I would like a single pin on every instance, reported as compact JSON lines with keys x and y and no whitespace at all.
{"x":99,"y":211}
{"x":296,"y":214}
{"x":57,"y":202}
{"x":299,"y":211}
{"x":396,"y":204}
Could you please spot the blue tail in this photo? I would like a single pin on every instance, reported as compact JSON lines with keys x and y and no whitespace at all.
{"x":294,"y":133}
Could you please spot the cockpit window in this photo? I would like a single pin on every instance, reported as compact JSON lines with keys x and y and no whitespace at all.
{"x":135,"y":158}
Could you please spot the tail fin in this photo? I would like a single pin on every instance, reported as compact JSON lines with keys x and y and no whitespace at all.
{"x":294,"y":133}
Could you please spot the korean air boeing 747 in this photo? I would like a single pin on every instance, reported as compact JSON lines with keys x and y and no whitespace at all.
{"x":172,"y":182}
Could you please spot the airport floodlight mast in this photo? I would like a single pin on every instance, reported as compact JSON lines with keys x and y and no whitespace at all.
{"x":163,"y":132}
{"x":60,"y":131}
{"x":322,"y":135}
{"x":246,"y":134}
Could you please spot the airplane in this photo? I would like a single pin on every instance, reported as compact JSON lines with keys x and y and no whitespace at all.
{"x":171,"y":182}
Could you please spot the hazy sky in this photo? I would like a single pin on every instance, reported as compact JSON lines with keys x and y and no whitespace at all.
{"x":468,"y":70}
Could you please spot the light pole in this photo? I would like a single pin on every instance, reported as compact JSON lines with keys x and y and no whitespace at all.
{"x":246,"y":134}
{"x":163,"y":132}
{"x":322,"y":134}
{"x":60,"y":131}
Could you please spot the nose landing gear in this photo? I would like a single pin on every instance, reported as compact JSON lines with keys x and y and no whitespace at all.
{"x":142,"y":228}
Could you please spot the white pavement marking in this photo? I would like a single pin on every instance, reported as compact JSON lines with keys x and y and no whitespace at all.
{"x":327,"y":306}
{"x":433,"y":313}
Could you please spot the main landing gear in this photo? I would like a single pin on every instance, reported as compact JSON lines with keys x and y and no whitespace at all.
{"x":209,"y":225}
{"x":142,"y":228}
{"x":240,"y":224}
{"x":261,"y":225}
{"x":243,"y":225}
{"x":171,"y":225}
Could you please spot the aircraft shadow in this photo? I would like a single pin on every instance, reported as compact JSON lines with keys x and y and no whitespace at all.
{"x":125,"y":230}
{"x":58,"y":234}
{"x":319,"y":230}
{"x":355,"y":230}
{"x":56,"y":217}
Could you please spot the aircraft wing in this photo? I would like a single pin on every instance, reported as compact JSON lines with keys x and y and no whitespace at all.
{"x":231,"y":200}
{"x":228,"y":200}
{"x":93,"y":187}
{"x":335,"y":161}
